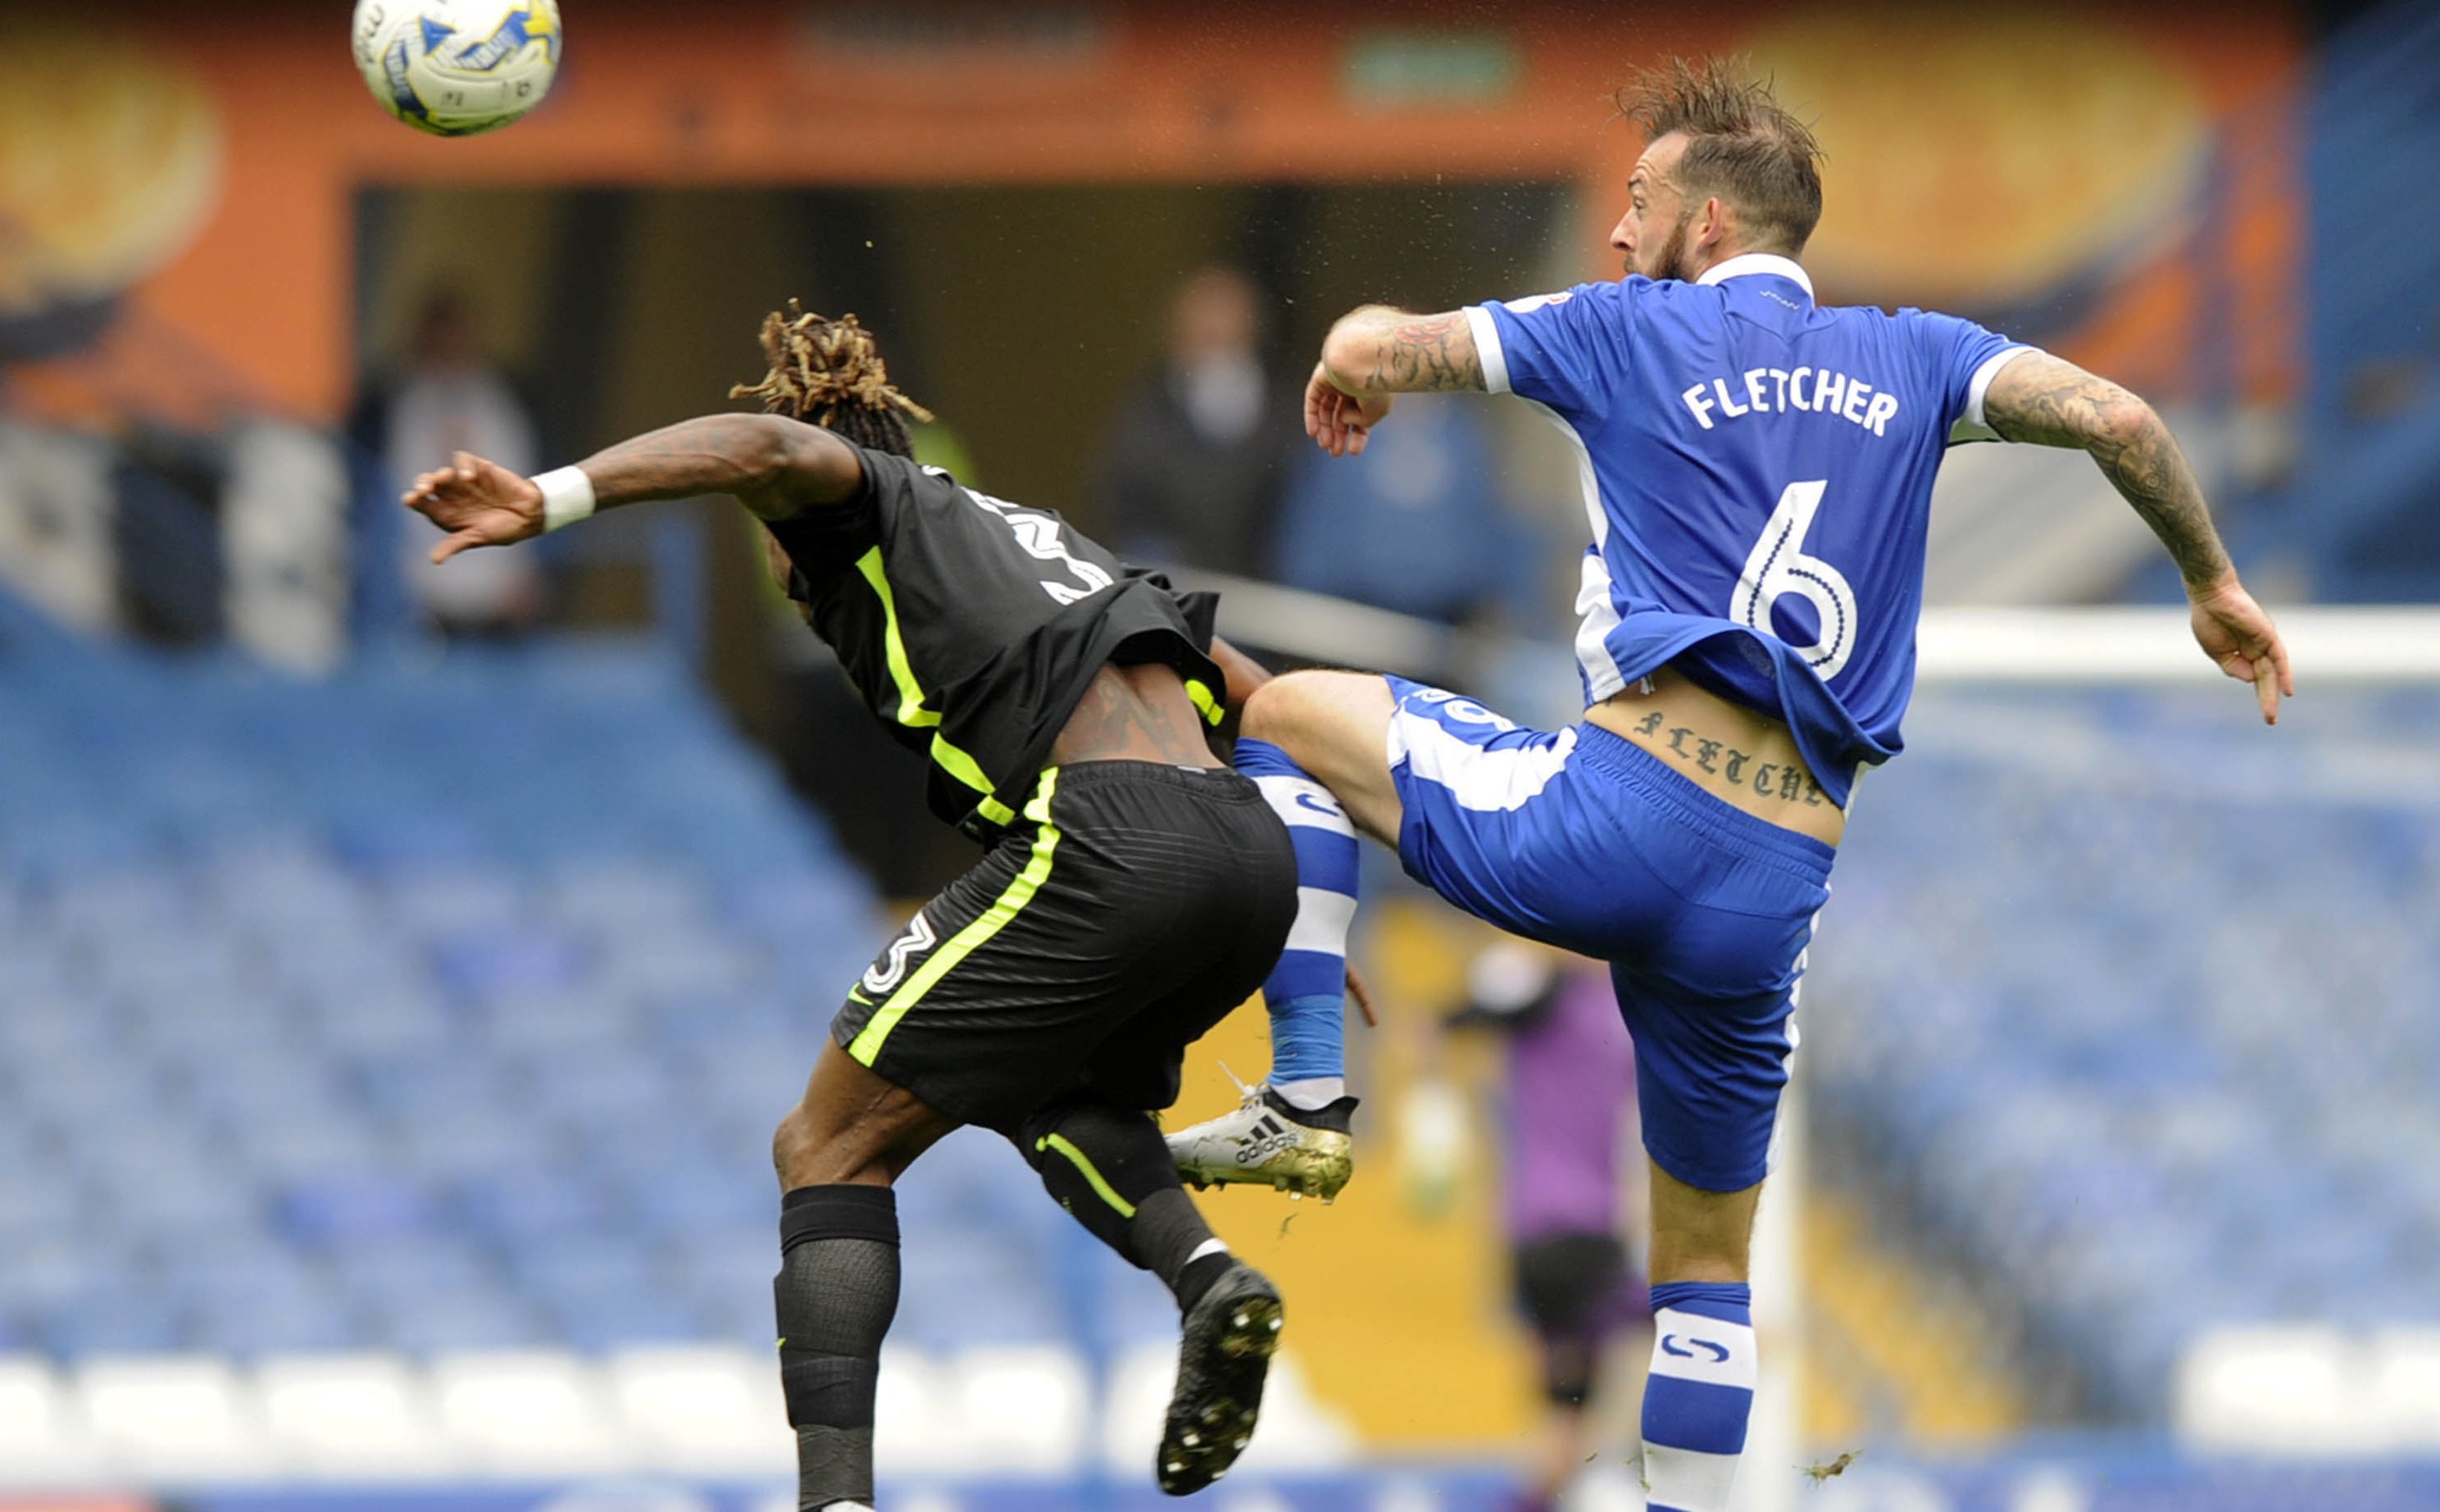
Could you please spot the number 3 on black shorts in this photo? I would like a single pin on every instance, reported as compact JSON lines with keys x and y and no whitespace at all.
{"x":885,"y":974}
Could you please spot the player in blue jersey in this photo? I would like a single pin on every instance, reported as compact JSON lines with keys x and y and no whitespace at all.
{"x":1757,"y":473}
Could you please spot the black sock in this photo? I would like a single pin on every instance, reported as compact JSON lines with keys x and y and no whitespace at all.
{"x":1109,"y":1166}
{"x":1168,"y":1232}
{"x":835,"y":1294}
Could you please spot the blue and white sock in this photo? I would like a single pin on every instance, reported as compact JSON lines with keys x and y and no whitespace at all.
{"x":1699,"y":1394}
{"x":1307,"y":991}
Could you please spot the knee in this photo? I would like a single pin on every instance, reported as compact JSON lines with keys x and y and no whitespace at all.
{"x":1266,"y":708}
{"x":797,"y":1148}
{"x":1068,"y":1115}
{"x":1120,"y":1146}
{"x":810,"y":1150}
{"x":1281,"y":706}
{"x":865,"y":1145}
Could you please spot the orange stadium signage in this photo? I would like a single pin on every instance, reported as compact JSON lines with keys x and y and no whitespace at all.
{"x":2049,"y":150}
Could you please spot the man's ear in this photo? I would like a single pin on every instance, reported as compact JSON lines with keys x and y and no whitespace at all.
{"x":1714,"y":227}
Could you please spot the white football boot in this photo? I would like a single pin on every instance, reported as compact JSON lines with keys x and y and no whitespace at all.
{"x":1269,"y":1142}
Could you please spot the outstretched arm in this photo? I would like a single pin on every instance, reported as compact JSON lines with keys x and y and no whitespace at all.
{"x":777,"y":468}
{"x":2048,"y":401}
{"x":1375,"y":351}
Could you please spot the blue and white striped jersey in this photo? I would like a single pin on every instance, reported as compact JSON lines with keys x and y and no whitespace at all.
{"x":1758,"y":471}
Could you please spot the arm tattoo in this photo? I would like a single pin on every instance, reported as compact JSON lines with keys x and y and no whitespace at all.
{"x":2039,"y":399}
{"x":760,"y":459}
{"x":1407,"y":353}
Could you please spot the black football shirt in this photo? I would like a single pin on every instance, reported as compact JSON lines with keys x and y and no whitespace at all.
{"x":970,"y":626}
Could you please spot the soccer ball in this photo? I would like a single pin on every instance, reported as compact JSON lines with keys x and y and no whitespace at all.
{"x":455,"y":67}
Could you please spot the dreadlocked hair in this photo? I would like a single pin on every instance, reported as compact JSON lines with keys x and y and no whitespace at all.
{"x":830,"y":373}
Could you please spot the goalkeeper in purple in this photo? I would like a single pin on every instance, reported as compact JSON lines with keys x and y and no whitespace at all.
{"x":1757,"y":469}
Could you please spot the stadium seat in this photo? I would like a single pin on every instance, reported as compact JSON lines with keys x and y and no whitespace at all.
{"x":32,"y":1202}
{"x":1019,"y":1409}
{"x":311,"y":1321}
{"x":42,"y":1432}
{"x":971,"y":1286}
{"x":604,"y":901}
{"x":2403,"y":1382}
{"x":2272,"y":1390}
{"x":354,"y":1208}
{"x":527,"y":1412}
{"x":704,"y":1411}
{"x":174,"y":1417}
{"x":356,"y":1416}
{"x":93,"y":1324}
{"x":480,"y":1318}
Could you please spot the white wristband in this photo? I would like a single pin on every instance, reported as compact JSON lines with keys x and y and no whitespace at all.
{"x":567,"y":496}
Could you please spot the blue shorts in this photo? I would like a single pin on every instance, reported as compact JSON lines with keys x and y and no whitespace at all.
{"x":1581,"y":839}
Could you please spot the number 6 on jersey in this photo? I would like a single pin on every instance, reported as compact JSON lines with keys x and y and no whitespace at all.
{"x":1778,"y":566}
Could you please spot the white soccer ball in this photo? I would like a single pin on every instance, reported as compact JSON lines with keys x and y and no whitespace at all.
{"x":455,"y":67}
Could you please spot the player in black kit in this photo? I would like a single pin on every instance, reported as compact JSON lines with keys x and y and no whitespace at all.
{"x":1134,"y":891}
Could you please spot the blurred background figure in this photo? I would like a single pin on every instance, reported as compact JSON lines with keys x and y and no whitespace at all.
{"x":1192,"y":467}
{"x":447,"y":398}
{"x":1570,"y":1188}
{"x":1417,"y":524}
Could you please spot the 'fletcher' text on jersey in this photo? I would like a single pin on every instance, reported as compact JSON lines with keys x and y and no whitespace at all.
{"x":1775,"y":391}
{"x":1757,"y":472}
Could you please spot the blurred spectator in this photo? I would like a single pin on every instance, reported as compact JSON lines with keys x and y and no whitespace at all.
{"x":449,"y":400}
{"x":1415,"y":524}
{"x":1570,"y":1197}
{"x":1192,"y":471}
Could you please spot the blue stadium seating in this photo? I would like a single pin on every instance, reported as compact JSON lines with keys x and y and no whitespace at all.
{"x":2129,"y":1002}
{"x":428,"y":1007}
{"x":425,"y":1009}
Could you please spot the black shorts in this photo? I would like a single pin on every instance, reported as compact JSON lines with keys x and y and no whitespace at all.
{"x":1128,"y":910}
{"x":1576,"y":1295}
{"x":1570,"y":1283}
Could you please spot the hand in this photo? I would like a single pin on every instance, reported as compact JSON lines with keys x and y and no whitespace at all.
{"x":2235,"y":632}
{"x":479,"y":503}
{"x":1360,"y":991}
{"x":1339,"y":421}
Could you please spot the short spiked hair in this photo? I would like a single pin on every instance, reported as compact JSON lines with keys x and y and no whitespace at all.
{"x":1741,"y":145}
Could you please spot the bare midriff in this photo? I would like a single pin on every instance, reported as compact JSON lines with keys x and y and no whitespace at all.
{"x":1135,"y":713}
{"x":1743,"y":756}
